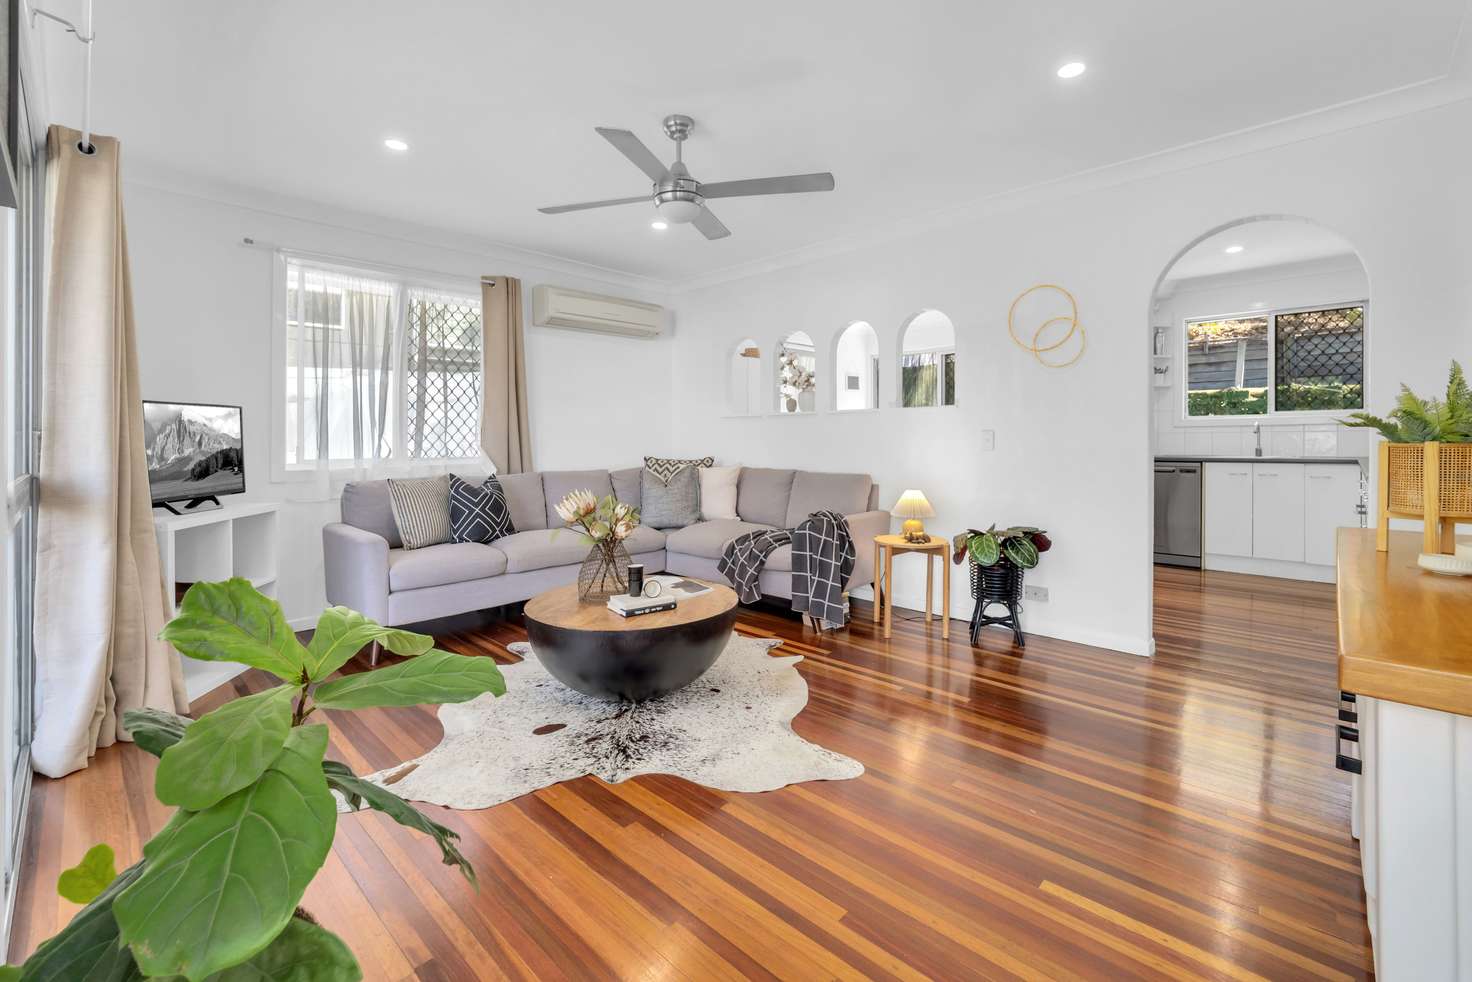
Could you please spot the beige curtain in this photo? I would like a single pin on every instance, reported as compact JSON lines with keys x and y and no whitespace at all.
{"x":99,"y":594}
{"x":504,"y":435}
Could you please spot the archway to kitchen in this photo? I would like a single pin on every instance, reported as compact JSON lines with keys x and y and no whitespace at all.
{"x":1258,"y":335}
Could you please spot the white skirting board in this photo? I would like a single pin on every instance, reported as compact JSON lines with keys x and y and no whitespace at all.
{"x":1269,"y":567}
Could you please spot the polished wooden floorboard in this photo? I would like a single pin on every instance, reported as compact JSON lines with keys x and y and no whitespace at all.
{"x":1058,"y":812}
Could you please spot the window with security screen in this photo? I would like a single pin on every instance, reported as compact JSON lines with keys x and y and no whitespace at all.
{"x":442,"y":355}
{"x":1276,"y":361}
{"x":375,"y":368}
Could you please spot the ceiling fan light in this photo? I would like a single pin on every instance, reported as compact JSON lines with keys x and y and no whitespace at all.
{"x":678,"y":212}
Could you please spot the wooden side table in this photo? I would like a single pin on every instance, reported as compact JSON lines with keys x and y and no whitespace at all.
{"x":885,"y":547}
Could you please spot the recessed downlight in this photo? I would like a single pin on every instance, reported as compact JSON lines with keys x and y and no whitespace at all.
{"x":395,"y":144}
{"x":1232,"y":250}
{"x":659,"y":224}
{"x":1072,"y":70}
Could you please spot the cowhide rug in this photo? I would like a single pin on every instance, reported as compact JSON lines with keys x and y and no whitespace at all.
{"x":730,"y":730}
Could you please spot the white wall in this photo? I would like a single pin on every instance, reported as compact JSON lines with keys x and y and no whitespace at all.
{"x":203,"y":307}
{"x":1299,"y":285}
{"x":1073,"y":445}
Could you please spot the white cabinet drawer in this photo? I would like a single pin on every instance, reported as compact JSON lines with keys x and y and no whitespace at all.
{"x":1277,"y":512}
{"x":1331,"y":497}
{"x":1226,"y":509}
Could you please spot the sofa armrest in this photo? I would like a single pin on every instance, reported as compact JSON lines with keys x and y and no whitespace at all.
{"x":356,"y":568}
{"x":862,"y":528}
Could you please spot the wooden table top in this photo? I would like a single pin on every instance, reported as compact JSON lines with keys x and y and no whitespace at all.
{"x":1404,"y":634}
{"x":560,"y":608}
{"x":900,"y":542}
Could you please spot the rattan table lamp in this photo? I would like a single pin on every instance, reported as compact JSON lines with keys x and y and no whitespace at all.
{"x":912,"y":507}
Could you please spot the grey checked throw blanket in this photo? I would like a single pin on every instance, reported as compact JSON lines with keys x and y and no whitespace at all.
{"x":822,"y":561}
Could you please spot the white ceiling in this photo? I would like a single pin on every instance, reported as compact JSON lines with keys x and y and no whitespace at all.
{"x":1264,"y":244}
{"x":913,"y":108}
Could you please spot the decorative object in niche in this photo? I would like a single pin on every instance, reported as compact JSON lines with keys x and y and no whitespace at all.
{"x":797,"y":375}
{"x":1074,"y":335}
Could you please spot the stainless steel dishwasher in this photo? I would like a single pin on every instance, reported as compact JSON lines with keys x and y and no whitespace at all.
{"x":1178,"y":513}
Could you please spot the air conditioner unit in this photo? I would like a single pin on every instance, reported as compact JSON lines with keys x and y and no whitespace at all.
{"x":556,"y":306}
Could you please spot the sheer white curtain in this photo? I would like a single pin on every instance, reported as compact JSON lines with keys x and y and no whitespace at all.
{"x":344,"y":341}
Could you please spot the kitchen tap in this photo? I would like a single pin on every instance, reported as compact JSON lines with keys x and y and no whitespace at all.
{"x":1257,"y":435}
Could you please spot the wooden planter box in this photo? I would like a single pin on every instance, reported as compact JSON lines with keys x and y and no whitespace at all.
{"x":1427,"y":481}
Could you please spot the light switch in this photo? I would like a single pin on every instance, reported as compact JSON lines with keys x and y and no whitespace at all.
{"x":988,"y":439}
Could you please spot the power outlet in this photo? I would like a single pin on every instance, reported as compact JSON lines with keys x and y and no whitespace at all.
{"x":988,"y":440}
{"x":1038,"y":593}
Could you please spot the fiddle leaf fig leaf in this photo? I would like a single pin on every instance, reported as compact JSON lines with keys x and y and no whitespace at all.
{"x":87,"y":948}
{"x":341,"y":633}
{"x":301,"y":951}
{"x":225,"y":750}
{"x":155,"y":730}
{"x":84,"y":882}
{"x":219,"y":884}
{"x":359,"y":794}
{"x":232,"y":621}
{"x":436,"y":677}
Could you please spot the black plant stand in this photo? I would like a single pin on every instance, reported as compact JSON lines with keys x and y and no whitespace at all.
{"x":999,"y":584}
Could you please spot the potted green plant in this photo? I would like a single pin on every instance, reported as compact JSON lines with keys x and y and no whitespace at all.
{"x":216,"y":893}
{"x":1428,"y":445}
{"x":999,"y":558}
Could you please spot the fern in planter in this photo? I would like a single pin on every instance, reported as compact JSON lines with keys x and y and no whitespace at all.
{"x":215,"y":895}
{"x":1418,"y":420}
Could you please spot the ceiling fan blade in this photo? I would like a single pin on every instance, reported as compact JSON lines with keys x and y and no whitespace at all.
{"x":710,"y":226}
{"x":581,"y":206}
{"x":791,"y":184}
{"x":632,"y":147}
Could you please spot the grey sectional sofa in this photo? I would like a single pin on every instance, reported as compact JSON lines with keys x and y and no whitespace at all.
{"x":368,"y":569}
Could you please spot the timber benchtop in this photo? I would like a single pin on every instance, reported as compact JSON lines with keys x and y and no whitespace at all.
{"x":1404,"y":634}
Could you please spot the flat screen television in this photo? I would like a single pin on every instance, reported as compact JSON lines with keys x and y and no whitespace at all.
{"x":194,"y":452}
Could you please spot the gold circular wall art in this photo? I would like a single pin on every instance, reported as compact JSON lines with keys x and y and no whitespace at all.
{"x":1065,"y":328}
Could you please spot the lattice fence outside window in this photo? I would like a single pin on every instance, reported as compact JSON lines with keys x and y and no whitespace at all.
{"x":1320,"y":359}
{"x":442,"y":385}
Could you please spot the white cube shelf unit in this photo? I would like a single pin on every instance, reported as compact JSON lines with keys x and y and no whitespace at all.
{"x":237,"y":540}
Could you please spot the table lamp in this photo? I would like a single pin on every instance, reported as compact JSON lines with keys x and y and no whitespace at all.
{"x":912,"y":507}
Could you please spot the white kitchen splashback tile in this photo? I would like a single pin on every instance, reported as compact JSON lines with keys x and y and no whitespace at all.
{"x":1355,"y":441}
{"x":1198,"y":441}
{"x":1171,"y":442}
{"x":1283,"y":441}
{"x":1227,"y":443}
{"x":1321,"y":440}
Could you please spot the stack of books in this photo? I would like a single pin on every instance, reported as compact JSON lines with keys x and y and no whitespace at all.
{"x":626,"y":606}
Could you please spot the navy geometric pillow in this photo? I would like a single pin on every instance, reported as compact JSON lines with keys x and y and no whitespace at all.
{"x":478,"y":513}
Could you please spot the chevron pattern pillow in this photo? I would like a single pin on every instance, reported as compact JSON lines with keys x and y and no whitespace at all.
{"x":665,"y":468}
{"x":478,"y":513}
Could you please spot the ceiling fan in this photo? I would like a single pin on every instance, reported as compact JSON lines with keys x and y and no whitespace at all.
{"x":680,"y":198}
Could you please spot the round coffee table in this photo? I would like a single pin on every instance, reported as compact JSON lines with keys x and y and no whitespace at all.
{"x":590,"y":649}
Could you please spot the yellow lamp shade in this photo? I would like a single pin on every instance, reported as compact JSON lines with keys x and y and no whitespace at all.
{"x":912,"y":507}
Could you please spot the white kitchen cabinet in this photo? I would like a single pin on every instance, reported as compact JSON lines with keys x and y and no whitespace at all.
{"x":1277,"y":512}
{"x":1226,"y":509}
{"x":1331,"y":497}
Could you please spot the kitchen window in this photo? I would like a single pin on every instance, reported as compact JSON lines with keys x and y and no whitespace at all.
{"x":1291,"y":360}
{"x":375,"y":367}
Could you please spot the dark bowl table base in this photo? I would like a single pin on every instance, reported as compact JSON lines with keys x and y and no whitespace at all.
{"x":590,"y":649}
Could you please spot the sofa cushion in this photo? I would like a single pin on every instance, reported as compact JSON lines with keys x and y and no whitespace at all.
{"x":448,"y":562}
{"x":421,"y":508}
{"x":478,"y":511}
{"x":524,"y":498}
{"x":718,"y":487}
{"x":847,"y":494}
{"x":626,"y":484}
{"x":762,"y":495}
{"x":556,"y":485}
{"x":673,"y":504}
{"x":365,"y":505}
{"x":708,"y":539}
{"x":564,"y":547}
{"x":665,"y":468}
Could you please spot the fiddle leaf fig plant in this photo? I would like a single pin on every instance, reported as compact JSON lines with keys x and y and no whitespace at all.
{"x":216,"y":893}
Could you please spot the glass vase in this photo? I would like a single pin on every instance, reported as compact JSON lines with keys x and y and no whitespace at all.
{"x":605,"y":573}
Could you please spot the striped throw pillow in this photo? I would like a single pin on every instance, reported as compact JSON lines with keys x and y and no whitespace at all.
{"x":666,"y":468}
{"x":421,"y":509}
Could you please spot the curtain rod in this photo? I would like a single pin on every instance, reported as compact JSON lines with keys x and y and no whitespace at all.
{"x":326,"y":257}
